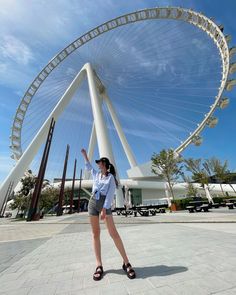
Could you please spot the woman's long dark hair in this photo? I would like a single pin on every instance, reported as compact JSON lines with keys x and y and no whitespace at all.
{"x":110,"y":167}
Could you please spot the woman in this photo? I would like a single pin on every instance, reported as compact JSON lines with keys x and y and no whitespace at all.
{"x":104,"y":184}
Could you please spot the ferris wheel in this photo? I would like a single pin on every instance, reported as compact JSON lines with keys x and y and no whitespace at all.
{"x":161,"y":74}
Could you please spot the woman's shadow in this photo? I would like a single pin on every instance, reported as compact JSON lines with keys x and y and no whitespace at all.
{"x":152,"y":271}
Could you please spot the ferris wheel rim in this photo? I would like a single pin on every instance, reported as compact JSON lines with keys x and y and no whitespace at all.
{"x":197,"y":19}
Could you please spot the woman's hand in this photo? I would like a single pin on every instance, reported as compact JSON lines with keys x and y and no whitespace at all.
{"x":103,"y":213}
{"x":83,"y":151}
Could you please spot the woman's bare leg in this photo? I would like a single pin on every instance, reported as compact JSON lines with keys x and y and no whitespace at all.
{"x":94,"y":221}
{"x":116,"y":237}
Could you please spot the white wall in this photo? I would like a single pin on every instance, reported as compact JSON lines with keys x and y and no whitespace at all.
{"x":152,"y":194}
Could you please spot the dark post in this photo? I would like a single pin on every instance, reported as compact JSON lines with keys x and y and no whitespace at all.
{"x":80,"y":178}
{"x":33,"y":214}
{"x":123,"y":191}
{"x":43,"y":173}
{"x":72,"y":190}
{"x":8,"y":193}
{"x":61,"y":195}
{"x":6,"y":196}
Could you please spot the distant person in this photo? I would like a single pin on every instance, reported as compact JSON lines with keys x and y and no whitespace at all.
{"x":103,"y":191}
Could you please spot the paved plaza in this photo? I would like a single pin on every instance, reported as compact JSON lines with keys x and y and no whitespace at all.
{"x":172,"y":253}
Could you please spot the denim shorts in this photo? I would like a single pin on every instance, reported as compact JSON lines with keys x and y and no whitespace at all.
{"x":95,"y":206}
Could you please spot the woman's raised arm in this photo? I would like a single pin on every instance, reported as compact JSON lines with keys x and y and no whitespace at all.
{"x":88,"y":165}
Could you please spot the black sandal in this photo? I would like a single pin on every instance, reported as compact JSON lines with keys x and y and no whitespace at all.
{"x":130,"y":273}
{"x":99,"y":270}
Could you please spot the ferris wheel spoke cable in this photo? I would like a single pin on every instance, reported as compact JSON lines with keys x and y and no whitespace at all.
{"x":45,"y":97}
{"x":160,"y":84}
{"x":164,"y":93}
{"x":125,"y":32}
{"x":183,"y":101}
{"x":146,"y":129}
{"x":45,"y":104}
{"x":177,"y":106}
{"x":39,"y":117}
{"x":141,"y":80}
{"x":179,"y":124}
{"x":170,"y":114}
{"x":156,"y":110}
{"x":154,"y":30}
{"x":127,"y":94}
{"x":155,"y":100}
{"x":164,"y":45}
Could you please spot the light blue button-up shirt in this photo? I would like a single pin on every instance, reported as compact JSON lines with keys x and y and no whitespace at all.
{"x":105,"y":185}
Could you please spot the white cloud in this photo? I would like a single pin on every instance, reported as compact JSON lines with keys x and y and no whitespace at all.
{"x":16,"y":62}
{"x":15,"y":50}
{"x":199,"y":44}
{"x":3,"y":67}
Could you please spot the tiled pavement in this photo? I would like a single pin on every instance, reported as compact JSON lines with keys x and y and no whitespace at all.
{"x":55,"y":256}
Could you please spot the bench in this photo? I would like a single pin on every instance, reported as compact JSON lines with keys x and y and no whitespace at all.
{"x":190,"y":209}
{"x":230,"y":205}
{"x":143,"y":212}
{"x":126,"y":212}
{"x":198,"y":207}
{"x":153,"y":212}
{"x":205,"y":207}
{"x":162,"y":210}
{"x":233,"y":201}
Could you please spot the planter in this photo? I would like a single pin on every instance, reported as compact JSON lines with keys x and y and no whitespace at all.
{"x":173,"y":207}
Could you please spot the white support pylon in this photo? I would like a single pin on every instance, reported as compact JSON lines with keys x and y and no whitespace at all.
{"x":124,"y":142}
{"x":104,"y":145}
{"x":92,"y":142}
{"x":208,"y":195}
{"x":167,"y":193}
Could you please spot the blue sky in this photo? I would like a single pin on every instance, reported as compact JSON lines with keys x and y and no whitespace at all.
{"x":31,"y":33}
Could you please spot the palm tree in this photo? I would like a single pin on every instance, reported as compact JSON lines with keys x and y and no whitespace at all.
{"x":167,"y":165}
{"x":229,"y":178}
{"x":200,"y":173}
{"x":218,"y":169}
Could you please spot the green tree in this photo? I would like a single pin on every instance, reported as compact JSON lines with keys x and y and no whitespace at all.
{"x":191,"y":189}
{"x":20,"y":203}
{"x":28,"y":183}
{"x":22,"y":197}
{"x":168,"y":166}
{"x":48,"y":198}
